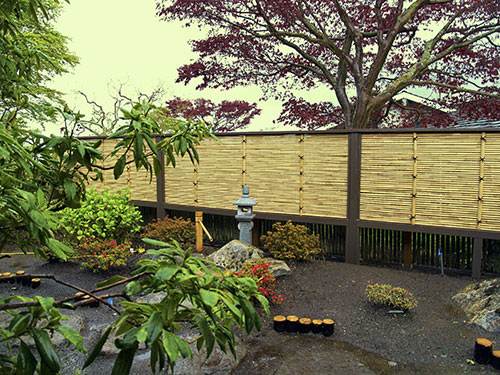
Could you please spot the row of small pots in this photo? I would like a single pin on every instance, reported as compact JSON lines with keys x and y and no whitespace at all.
{"x":294,"y":324}
{"x":20,"y":277}
{"x":484,"y":353}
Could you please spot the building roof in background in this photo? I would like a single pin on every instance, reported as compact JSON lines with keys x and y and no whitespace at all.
{"x":481,"y":123}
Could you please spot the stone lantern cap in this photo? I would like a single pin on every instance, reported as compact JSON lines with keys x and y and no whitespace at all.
{"x":245,"y":200}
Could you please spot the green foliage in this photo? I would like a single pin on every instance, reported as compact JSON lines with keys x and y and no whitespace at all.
{"x":291,"y":242}
{"x":390,"y":296}
{"x":172,"y":229}
{"x":196,"y":292}
{"x":36,"y":322}
{"x":102,"y":255}
{"x":31,"y":53}
{"x":103,"y":215}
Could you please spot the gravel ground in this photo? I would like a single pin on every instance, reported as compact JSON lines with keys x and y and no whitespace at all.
{"x":432,"y":340}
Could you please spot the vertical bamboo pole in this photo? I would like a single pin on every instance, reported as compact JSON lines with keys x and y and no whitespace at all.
{"x":160,"y":185}
{"x":301,"y":174}
{"x":243,"y":160}
{"x":198,"y":218}
{"x":477,"y":254}
{"x":481,"y":180}
{"x":414,"y":184}
{"x":195,"y":185}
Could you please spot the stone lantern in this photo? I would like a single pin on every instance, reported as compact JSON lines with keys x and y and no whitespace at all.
{"x":245,"y":215}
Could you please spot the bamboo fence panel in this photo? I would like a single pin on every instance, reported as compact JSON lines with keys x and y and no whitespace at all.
{"x":219,"y":172}
{"x":140,"y":184}
{"x":438,"y":179}
{"x":272,"y":172}
{"x":386,"y":177}
{"x":491,"y":189}
{"x":180,"y":182}
{"x":109,"y":183}
{"x":448,"y":179}
{"x":325,"y":175}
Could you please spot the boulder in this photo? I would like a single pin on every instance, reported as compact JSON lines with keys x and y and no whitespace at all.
{"x":481,"y":303}
{"x":232,"y":255}
{"x":277,"y":267}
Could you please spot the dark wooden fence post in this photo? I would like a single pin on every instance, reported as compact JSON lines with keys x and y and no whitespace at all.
{"x":477,"y":257}
{"x":160,"y":185}
{"x":256,"y":233}
{"x":407,"y":251}
{"x":353,"y":249}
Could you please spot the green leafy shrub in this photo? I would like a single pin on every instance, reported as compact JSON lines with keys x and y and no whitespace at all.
{"x":390,"y":296}
{"x":172,"y":229}
{"x":214,"y":302}
{"x":103,"y":215}
{"x":102,"y":255}
{"x":291,"y":242}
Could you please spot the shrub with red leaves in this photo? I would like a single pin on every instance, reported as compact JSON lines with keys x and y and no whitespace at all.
{"x":266,"y":281}
{"x":103,"y":255}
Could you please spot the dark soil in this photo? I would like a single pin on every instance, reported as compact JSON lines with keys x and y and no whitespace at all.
{"x":434,"y":339}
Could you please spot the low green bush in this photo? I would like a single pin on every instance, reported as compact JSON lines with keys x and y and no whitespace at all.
{"x":390,"y":296}
{"x":103,"y":215}
{"x":291,"y":242}
{"x":169,"y":229}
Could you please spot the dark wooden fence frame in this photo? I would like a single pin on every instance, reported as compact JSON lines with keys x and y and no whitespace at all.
{"x":352,"y":222}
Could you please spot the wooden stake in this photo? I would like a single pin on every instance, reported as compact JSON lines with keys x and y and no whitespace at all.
{"x":199,"y":231}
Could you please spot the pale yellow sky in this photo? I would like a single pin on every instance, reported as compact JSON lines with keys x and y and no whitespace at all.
{"x":124,"y":42}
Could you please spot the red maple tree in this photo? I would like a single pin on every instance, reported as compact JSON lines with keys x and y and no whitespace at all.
{"x":226,"y":116}
{"x":367,"y":52}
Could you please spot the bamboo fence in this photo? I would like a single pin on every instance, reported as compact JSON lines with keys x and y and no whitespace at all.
{"x":437,"y":179}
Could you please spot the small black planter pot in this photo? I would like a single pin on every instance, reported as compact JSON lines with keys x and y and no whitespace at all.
{"x":20,"y":276}
{"x":305,"y":325}
{"x":5,"y":277}
{"x":279,"y":323}
{"x":35,"y":283}
{"x":495,"y":359}
{"x":79,"y":296}
{"x":317,"y":326}
{"x":328,"y":327}
{"x":292,"y":323}
{"x":483,"y":351}
{"x":11,"y":278}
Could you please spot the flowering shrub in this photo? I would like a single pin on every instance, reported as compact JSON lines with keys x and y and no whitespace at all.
{"x":103,"y":255}
{"x":266,"y":282}
{"x":390,"y":296}
{"x":168,"y":229}
{"x":291,"y":242}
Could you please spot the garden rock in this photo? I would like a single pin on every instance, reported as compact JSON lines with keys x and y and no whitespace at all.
{"x":152,"y":298}
{"x":74,"y":321}
{"x":232,"y":255}
{"x":218,"y":363}
{"x":277,"y":267}
{"x":481,"y":303}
